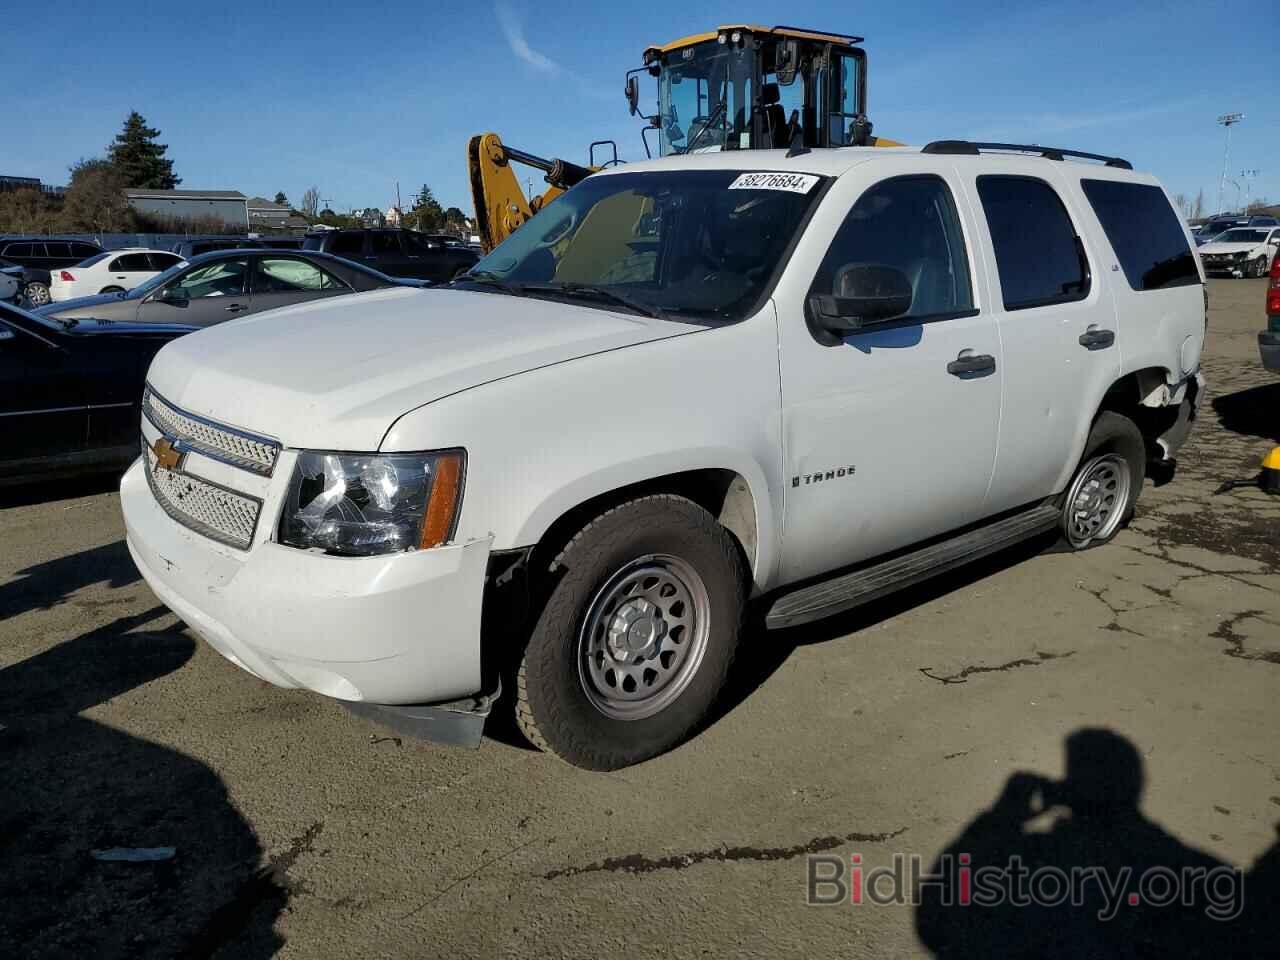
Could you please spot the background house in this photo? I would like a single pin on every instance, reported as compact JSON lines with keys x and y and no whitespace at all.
{"x":268,"y":217}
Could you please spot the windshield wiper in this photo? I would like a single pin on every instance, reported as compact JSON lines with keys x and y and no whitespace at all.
{"x":711,"y":121}
{"x":597,"y":293}
{"x":489,"y":279}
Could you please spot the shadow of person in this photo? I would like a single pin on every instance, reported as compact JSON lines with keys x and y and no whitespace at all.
{"x":1072,"y":868}
{"x":72,"y":786}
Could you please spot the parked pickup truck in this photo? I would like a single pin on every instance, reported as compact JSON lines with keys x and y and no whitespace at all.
{"x":797,"y":379}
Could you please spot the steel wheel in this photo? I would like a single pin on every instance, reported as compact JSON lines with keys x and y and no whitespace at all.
{"x":1096,"y":501}
{"x":38,"y":294}
{"x":643,"y":637}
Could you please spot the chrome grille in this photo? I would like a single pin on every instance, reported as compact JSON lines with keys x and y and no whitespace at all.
{"x":205,"y":507}
{"x":236,"y":447}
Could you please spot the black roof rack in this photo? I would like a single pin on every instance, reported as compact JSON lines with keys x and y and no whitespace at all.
{"x":967,"y":147}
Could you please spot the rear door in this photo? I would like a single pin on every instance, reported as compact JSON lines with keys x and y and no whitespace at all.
{"x":126,"y":271}
{"x":1057,"y":326}
{"x":281,"y":280}
{"x":387,"y":254}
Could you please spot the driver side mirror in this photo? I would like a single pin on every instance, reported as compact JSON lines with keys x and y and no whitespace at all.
{"x":863,"y":295}
{"x":174,"y":296}
{"x":633,"y":94}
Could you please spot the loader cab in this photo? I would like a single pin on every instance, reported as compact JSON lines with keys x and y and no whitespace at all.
{"x":741,"y":88}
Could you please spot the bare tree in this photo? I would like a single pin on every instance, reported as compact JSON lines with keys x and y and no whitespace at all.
{"x":1180,"y":201}
{"x":310,"y":202}
{"x":1197,"y":208}
{"x":95,"y":200}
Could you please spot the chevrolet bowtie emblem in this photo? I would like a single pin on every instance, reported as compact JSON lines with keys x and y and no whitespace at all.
{"x":167,"y":455}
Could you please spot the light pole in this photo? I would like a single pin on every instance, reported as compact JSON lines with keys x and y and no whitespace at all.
{"x":1227,"y":120}
{"x":1247,"y":176}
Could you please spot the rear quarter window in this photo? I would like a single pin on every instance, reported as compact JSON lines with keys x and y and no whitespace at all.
{"x":1145,"y":234}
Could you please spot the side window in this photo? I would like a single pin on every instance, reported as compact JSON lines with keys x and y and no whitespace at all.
{"x":60,"y":251}
{"x":348,"y":244}
{"x":909,"y":223}
{"x":162,"y":261}
{"x":1145,"y":233}
{"x":386,"y":244}
{"x":18,"y":250}
{"x":225,"y":278}
{"x":286,"y":275}
{"x":84,"y":250}
{"x":418,"y":245}
{"x":1038,"y":253}
{"x":131,"y":263}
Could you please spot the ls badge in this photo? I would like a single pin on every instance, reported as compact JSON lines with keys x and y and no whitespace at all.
{"x":167,"y":456}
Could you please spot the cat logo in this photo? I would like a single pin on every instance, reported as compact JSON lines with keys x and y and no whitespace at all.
{"x":167,"y":455}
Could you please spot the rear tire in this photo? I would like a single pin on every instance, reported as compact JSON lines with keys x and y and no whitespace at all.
{"x":1105,"y":487}
{"x":37,"y":294}
{"x":635,"y":640}
{"x":112,"y":290}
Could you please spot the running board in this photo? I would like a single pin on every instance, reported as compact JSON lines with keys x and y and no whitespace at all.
{"x":870,"y":583}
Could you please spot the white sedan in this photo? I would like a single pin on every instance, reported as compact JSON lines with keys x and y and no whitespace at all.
{"x":112,"y":272}
{"x":1241,"y":251}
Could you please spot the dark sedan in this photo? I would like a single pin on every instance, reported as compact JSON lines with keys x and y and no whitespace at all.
{"x":72,"y":393}
{"x":219,"y":286}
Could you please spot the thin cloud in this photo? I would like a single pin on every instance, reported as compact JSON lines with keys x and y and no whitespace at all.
{"x":513,"y":29}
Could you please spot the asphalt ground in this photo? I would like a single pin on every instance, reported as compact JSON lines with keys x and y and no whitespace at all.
{"x":934,"y":722}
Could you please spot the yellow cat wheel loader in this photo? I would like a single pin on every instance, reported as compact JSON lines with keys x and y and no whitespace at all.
{"x":736,"y":87}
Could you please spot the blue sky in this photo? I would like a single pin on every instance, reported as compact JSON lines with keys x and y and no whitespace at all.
{"x":352,"y":97}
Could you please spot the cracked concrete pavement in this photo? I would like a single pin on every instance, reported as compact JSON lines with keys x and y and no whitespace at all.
{"x":303,"y":830}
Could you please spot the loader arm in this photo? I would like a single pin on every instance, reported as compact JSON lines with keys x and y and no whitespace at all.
{"x":501,"y":206}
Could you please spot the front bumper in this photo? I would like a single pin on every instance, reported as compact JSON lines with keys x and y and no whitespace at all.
{"x":399,"y":629}
{"x":1225,"y":268}
{"x":1269,"y":348}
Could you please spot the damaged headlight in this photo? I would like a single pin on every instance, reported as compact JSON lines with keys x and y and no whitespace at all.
{"x":362,"y":504}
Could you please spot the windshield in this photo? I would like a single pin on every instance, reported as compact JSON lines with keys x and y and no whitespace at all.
{"x":1241,"y":236}
{"x":701,"y":244}
{"x":704,"y":99}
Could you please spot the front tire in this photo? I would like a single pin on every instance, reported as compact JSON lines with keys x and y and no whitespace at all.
{"x":37,"y":294}
{"x":636,"y":637}
{"x":1260,"y":267}
{"x":1102,"y":493}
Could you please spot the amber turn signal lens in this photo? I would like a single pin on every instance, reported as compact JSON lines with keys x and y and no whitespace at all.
{"x":443,"y":503}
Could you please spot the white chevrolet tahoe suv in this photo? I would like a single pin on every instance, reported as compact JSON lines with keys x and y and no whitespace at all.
{"x":800,"y":380}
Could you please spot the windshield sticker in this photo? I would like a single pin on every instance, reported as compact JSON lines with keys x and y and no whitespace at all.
{"x":790,"y":182}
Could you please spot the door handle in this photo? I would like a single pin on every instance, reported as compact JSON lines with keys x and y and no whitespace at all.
{"x":235,"y":308}
{"x":970,"y":366}
{"x":1095,"y":339}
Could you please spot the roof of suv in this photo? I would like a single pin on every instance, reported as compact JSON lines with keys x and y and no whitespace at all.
{"x":834,"y":161}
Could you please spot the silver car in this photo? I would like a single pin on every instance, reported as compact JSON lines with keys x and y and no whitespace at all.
{"x":218,"y":286}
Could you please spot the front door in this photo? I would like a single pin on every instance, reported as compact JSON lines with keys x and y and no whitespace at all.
{"x":889,"y":434}
{"x":42,"y":412}
{"x":208,"y":293}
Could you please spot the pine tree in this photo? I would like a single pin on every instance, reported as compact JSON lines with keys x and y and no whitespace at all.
{"x":138,"y":159}
{"x":281,"y":198}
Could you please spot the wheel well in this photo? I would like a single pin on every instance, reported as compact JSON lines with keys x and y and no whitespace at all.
{"x":722,"y":493}
{"x":1127,"y":395}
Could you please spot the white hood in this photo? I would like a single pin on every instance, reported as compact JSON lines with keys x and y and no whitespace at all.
{"x":335,"y":374}
{"x":1220,"y":248}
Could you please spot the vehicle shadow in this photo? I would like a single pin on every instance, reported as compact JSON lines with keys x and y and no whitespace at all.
{"x":1254,"y":412}
{"x":762,"y":652}
{"x":1072,"y":868}
{"x":72,"y":787}
{"x":47,"y":584}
